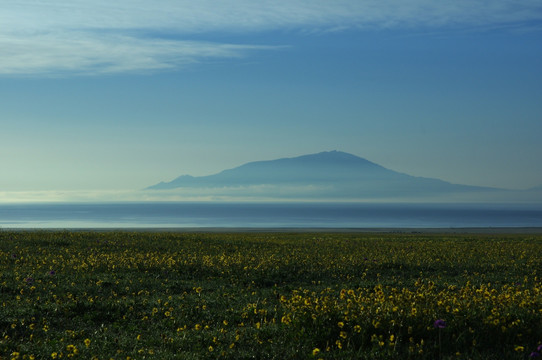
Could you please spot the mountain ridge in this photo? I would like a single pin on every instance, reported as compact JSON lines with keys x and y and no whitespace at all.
{"x":324,"y":175}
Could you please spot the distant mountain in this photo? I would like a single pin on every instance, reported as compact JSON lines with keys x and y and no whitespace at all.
{"x":326,"y":175}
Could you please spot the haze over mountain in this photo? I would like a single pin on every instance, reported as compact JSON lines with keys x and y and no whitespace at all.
{"x":332,"y":175}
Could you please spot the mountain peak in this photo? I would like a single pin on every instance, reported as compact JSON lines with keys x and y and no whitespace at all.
{"x":332,"y":156}
{"x":336,"y":155}
{"x":326,"y":164}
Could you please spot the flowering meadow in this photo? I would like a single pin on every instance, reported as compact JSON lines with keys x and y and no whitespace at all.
{"x":145,"y":295}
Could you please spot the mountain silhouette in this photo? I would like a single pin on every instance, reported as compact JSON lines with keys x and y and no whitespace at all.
{"x":325,"y":175}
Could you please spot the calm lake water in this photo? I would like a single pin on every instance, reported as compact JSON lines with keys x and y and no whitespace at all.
{"x":267,"y":215}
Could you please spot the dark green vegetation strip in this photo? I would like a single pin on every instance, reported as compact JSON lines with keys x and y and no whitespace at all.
{"x":130,"y":295}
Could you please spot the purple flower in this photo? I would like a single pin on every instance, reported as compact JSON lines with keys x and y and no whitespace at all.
{"x":439,"y":324}
{"x":539,"y":348}
{"x":29,"y":280}
{"x":51,"y":273}
{"x":534,"y":354}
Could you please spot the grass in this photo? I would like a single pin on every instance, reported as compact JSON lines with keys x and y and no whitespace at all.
{"x":140,"y":295}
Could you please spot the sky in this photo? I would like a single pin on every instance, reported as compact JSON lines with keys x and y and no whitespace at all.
{"x":114,"y":96}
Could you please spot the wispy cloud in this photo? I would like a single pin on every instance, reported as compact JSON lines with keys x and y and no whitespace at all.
{"x":85,"y":53}
{"x":97,"y":36}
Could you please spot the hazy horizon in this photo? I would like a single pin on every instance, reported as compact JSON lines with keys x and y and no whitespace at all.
{"x":101,"y":99}
{"x":330,"y":176}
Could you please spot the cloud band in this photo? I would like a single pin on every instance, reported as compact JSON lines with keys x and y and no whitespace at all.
{"x":97,"y":36}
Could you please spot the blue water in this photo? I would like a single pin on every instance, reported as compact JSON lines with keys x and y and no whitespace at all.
{"x":267,"y":215}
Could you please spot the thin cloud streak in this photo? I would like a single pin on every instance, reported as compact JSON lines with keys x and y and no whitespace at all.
{"x":87,"y":53}
{"x":89,"y":37}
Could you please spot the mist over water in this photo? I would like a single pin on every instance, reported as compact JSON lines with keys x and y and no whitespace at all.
{"x":267,"y":215}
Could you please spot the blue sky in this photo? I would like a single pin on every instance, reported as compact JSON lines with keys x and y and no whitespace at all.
{"x":101,"y":96}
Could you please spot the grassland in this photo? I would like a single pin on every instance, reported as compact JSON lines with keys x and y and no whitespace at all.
{"x":137,"y":295}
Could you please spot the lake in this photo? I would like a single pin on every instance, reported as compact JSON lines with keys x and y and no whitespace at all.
{"x":267,"y":215}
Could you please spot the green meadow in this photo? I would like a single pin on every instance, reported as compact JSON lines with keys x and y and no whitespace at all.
{"x":145,"y":295}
